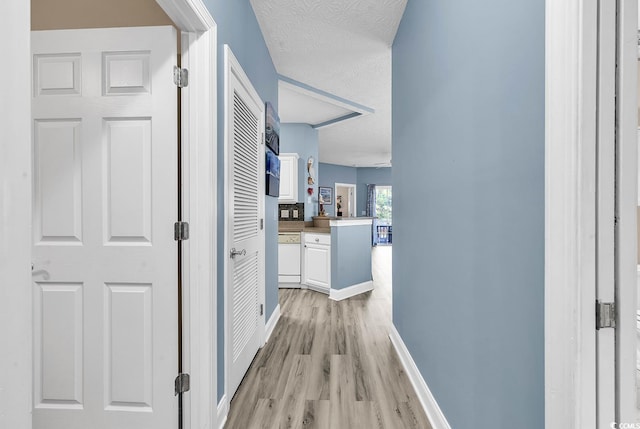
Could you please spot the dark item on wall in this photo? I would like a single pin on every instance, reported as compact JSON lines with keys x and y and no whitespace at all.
{"x":272,"y":129}
{"x":326,"y":194}
{"x":272,"y":179}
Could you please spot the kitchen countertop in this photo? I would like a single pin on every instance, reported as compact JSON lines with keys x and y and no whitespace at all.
{"x":301,"y":226}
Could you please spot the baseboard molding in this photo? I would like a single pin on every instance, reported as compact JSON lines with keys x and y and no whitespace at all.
{"x":348,"y":292}
{"x":315,"y":288}
{"x":289,"y":285}
{"x":271,"y":323}
{"x":428,"y":402}
{"x":223,"y":410}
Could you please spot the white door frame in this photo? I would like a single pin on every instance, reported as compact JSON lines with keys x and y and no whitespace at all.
{"x":570,"y":180}
{"x":199,"y":199}
{"x":15,"y":220}
{"x":199,"y":110}
{"x":355,"y":199}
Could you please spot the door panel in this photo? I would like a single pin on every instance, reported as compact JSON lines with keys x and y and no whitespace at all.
{"x":58,"y":358}
{"x":245,"y":175}
{"x":58,"y":181}
{"x":105,"y":200}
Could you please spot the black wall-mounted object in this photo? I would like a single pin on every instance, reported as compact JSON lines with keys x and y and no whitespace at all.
{"x":272,"y":128}
{"x":272,"y":174}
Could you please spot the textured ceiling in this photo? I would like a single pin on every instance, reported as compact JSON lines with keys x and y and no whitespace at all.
{"x":342,"y":47}
{"x":298,"y":105}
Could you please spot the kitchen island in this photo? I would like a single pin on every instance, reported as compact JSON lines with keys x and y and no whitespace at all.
{"x":335,"y":255}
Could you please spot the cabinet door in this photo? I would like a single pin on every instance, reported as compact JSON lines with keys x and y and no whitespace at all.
{"x":317,"y":266}
{"x":288,"y":178}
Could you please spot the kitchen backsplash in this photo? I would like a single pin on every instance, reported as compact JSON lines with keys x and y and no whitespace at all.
{"x":291,"y":212}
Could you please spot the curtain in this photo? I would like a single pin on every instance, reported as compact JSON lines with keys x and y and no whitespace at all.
{"x":371,"y":212}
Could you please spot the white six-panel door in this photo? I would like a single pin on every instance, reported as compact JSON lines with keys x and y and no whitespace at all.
{"x":105,"y":200}
{"x":245,"y":199}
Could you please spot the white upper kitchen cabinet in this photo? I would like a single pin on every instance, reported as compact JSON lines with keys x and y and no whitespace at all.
{"x":288,"y":178}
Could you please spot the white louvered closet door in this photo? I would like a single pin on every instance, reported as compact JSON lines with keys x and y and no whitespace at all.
{"x":245,"y":175}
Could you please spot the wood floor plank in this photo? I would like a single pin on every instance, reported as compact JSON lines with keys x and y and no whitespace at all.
{"x":292,"y":416}
{"x":316,"y":415}
{"x":330,"y":365}
{"x":342,"y":393}
{"x":264,"y":415}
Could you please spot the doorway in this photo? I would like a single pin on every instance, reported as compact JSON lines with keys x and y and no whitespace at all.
{"x":384,"y":211}
{"x":198,"y":157}
{"x":345,"y":205}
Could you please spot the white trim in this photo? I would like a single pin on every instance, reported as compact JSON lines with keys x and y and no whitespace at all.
{"x":188,"y":15}
{"x":272,"y":322}
{"x":431,"y":408}
{"x":289,"y":279}
{"x":349,"y":291}
{"x":350,"y":222}
{"x":570,"y":104}
{"x":626,"y":235}
{"x":321,"y":289}
{"x":282,"y":285}
{"x":199,"y":158}
{"x":222,"y":412}
{"x":16,"y":324}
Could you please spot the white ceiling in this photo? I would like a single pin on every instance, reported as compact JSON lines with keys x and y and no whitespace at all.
{"x":298,"y":105}
{"x":342,"y":47}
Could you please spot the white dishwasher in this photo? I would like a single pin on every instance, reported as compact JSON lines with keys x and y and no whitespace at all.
{"x":289,"y":250}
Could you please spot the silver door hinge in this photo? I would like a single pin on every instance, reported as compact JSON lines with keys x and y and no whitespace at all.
{"x":261,"y":309}
{"x":180,"y":77}
{"x":181,"y":231}
{"x":262,"y":138}
{"x":261,"y":223}
{"x":182,"y":383}
{"x":605,"y":315}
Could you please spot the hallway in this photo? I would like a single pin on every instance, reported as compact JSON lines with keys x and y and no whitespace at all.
{"x":330,"y":364}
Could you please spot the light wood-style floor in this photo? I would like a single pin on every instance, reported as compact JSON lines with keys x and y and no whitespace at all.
{"x":330,"y":365}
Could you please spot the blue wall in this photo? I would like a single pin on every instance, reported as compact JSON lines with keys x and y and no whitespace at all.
{"x":350,"y":255}
{"x":303,"y":140}
{"x":468,"y":183}
{"x":238,"y":27}
{"x":330,"y":174}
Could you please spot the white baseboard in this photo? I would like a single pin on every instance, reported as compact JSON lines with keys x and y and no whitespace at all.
{"x":223,"y":410}
{"x":289,"y":285}
{"x":289,"y":279}
{"x":320,"y":289}
{"x":271,"y":323}
{"x":348,"y":292}
{"x":428,"y":402}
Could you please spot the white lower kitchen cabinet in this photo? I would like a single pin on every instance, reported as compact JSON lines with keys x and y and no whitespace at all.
{"x":316,"y":270}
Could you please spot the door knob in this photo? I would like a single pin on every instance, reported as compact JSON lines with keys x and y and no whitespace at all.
{"x":234,"y":252}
